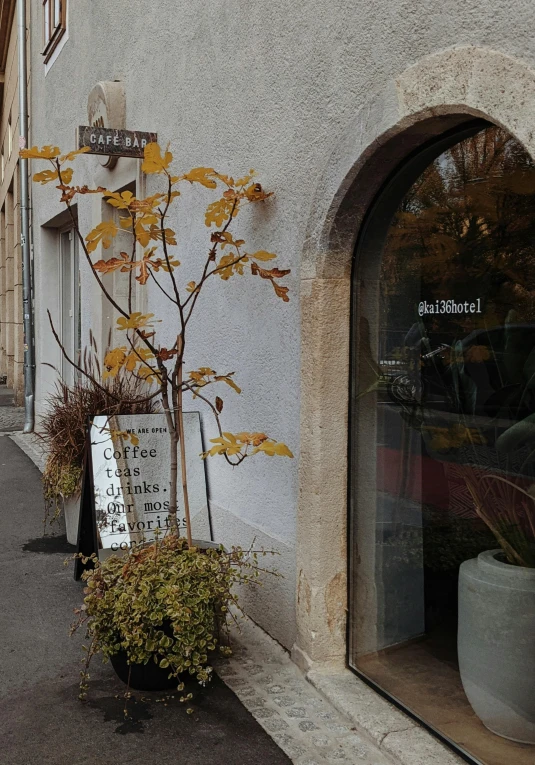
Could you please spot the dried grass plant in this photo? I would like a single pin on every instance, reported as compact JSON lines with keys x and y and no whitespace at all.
{"x":63,"y":430}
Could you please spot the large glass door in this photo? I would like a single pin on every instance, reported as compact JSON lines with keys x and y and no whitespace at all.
{"x":442,"y":612}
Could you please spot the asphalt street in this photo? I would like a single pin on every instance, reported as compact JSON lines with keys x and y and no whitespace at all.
{"x":41,"y":719}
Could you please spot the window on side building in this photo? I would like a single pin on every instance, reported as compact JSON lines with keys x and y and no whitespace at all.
{"x":54,"y":25}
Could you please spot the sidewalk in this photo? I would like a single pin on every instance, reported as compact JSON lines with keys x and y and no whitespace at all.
{"x":41,"y":719}
{"x":11,"y":417}
{"x":299,"y":719}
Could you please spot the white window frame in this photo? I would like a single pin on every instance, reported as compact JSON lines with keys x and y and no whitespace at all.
{"x":54,"y":26}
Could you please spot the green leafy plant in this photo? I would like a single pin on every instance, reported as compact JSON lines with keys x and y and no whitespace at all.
{"x":164,"y":603}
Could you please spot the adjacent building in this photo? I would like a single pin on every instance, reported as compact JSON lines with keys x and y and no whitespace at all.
{"x":399,"y":142}
{"x":11,"y":333}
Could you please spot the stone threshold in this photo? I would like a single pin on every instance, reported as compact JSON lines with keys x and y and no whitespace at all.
{"x":395,"y":733}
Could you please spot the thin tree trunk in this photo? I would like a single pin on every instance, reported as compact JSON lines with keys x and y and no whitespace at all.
{"x":172,"y":427}
{"x":180,"y":423}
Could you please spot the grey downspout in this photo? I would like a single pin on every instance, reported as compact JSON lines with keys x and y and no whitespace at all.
{"x":27,"y":303}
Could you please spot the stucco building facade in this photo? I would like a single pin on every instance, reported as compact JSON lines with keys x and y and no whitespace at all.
{"x":326,"y":102}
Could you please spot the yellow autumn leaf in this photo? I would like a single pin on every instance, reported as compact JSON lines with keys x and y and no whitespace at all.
{"x":160,"y":263}
{"x":47,"y":152}
{"x":272,"y":449}
{"x":157,"y":235}
{"x":142,"y":234}
{"x":154,"y":161}
{"x":121,"y":200}
{"x":225,"y":237}
{"x":262,"y":255}
{"x":113,"y":361}
{"x":135,"y":320}
{"x":45,"y":176}
{"x":231,"y":264}
{"x":253,"y":439}
{"x":73,"y":154}
{"x":123,"y":435}
{"x":228,"y":379}
{"x":255,"y":193}
{"x":102,"y":233}
{"x":136,"y":357}
{"x":245,"y":180}
{"x":114,"y":264}
{"x":66,"y":174}
{"x":148,"y":374}
{"x":191,"y":287}
{"x":224,"y":444}
{"x":219,"y":212}
{"x":202,"y":175}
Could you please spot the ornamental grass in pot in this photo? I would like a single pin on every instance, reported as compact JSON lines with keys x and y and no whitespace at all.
{"x":496,"y":633}
{"x":163,"y":601}
{"x":63,"y":432}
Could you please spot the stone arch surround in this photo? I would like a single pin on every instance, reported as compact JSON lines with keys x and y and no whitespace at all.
{"x":440,"y":91}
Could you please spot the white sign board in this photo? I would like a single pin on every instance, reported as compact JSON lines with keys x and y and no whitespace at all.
{"x":131,"y":465}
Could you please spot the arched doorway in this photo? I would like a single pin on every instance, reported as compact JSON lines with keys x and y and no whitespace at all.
{"x":442,"y":462}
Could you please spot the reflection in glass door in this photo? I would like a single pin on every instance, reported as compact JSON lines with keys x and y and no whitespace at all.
{"x":442,"y":612}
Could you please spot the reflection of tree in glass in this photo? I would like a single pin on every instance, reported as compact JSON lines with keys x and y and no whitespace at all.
{"x":466,"y":229}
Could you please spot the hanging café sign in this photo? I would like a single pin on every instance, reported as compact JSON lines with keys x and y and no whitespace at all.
{"x":114,"y":142}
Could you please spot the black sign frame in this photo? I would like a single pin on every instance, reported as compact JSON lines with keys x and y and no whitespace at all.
{"x":87,"y":543}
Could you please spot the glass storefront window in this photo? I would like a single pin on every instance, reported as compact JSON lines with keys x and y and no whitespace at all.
{"x":442,"y":612}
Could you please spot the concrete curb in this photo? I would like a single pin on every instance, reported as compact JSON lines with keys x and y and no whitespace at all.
{"x":32,"y":447}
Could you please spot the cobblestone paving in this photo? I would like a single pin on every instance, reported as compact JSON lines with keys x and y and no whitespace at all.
{"x":308,"y":729}
{"x":11,"y":418}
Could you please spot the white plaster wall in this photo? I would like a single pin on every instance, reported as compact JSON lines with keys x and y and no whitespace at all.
{"x":236,"y":84}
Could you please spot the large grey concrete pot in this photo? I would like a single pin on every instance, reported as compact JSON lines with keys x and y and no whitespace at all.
{"x":496,"y":644}
{"x":71,"y":512}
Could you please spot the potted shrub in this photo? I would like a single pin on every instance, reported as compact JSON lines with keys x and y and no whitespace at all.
{"x":159,"y":614}
{"x":64,"y":434}
{"x":181,"y":584}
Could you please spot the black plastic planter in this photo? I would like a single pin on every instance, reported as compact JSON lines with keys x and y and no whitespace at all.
{"x":143,"y":677}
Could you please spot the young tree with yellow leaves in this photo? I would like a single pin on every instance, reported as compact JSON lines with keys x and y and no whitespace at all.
{"x":151,"y":258}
